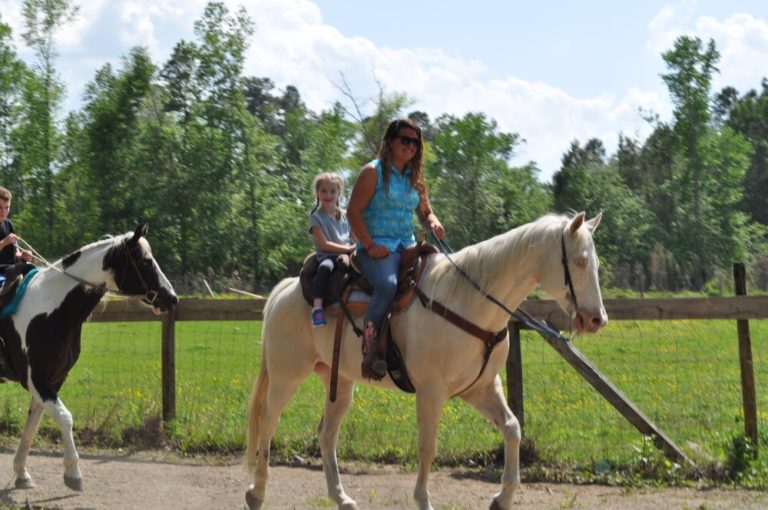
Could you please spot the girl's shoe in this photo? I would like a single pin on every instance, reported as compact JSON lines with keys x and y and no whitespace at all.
{"x":318,"y":318}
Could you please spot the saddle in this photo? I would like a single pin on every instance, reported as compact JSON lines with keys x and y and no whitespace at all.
{"x":8,"y":291}
{"x":345,"y":280}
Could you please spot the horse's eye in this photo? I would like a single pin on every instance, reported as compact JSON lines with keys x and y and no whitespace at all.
{"x":582,"y":262}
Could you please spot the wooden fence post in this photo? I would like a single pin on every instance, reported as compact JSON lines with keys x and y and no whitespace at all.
{"x":745,"y":360}
{"x":515,"y":374}
{"x":169,"y":365}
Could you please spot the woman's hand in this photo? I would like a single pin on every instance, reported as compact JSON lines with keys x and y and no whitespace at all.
{"x":437,"y":227}
{"x":377,"y":251}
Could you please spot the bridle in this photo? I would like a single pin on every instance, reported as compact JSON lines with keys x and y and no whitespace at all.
{"x":149,"y":295}
{"x":568,"y":280}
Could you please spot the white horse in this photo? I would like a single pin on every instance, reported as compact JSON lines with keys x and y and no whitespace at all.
{"x":442,"y":360}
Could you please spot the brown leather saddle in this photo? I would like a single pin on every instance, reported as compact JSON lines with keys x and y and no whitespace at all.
{"x":347,"y":278}
{"x":340,"y":299}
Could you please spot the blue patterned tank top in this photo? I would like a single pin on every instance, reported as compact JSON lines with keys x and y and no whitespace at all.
{"x":389,"y":216}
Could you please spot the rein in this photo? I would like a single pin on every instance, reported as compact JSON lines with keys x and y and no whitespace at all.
{"x":489,"y":339}
{"x":150,"y":295}
{"x":529,"y":320}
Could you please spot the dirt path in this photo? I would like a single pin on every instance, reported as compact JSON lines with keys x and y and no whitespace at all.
{"x":151,"y":480}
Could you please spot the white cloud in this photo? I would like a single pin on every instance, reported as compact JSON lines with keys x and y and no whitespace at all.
{"x":742,"y":41}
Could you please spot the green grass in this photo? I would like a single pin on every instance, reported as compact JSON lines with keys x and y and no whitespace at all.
{"x":684,"y":375}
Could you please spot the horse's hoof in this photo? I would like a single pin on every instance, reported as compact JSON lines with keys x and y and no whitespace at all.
{"x":25,"y":483}
{"x":76,"y":484}
{"x":252,"y":502}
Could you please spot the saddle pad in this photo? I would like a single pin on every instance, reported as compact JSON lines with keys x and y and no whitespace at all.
{"x":11,"y":307}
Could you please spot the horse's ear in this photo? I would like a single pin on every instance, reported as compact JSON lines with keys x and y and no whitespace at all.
{"x":594,"y":222}
{"x":576,"y":223}
{"x":140,"y":232}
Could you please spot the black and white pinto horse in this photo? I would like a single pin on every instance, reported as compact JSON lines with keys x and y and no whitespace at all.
{"x":41,"y":340}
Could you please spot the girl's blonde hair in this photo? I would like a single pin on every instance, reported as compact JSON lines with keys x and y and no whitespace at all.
{"x":332,"y":178}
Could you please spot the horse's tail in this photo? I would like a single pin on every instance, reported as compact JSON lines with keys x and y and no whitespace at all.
{"x":258,"y":395}
{"x":260,"y":387}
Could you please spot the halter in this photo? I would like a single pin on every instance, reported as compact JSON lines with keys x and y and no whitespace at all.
{"x":567,"y":272}
{"x":150,"y":295}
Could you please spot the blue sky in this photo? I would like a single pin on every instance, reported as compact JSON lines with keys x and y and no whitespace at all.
{"x":553,"y":72}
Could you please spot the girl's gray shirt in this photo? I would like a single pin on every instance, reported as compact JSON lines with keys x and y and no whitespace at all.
{"x":335,"y":231}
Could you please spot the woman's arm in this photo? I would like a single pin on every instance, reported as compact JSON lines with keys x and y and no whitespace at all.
{"x":430,"y":218}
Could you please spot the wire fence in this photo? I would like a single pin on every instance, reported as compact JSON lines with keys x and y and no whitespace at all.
{"x":683,"y":374}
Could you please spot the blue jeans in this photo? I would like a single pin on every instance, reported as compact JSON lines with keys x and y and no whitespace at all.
{"x":382,"y":275}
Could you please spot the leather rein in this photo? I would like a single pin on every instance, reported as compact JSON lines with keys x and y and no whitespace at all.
{"x":489,"y":339}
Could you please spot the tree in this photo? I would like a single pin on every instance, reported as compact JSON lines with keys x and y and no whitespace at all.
{"x":689,"y":80}
{"x":586,"y":182}
{"x":470,"y":175}
{"x":571,"y":183}
{"x":112,"y":114}
{"x":748,"y":116}
{"x":13,"y":74}
{"x":44,"y":93}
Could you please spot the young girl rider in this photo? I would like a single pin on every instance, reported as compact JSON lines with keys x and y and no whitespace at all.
{"x":330,"y":232}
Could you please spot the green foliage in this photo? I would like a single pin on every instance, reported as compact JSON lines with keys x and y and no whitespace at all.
{"x":220,"y":164}
{"x":475,"y":192}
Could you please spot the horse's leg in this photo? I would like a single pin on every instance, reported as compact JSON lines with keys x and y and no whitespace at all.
{"x":23,"y":480}
{"x":278,"y":394}
{"x":429,"y":406}
{"x":328,"y":435}
{"x":491,"y":403}
{"x":61,"y":415}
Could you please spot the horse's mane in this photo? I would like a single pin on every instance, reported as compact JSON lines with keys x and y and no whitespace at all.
{"x":505,"y":249}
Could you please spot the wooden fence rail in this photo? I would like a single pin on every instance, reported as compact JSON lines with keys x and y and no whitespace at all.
{"x":740,"y":308}
{"x":736,"y":307}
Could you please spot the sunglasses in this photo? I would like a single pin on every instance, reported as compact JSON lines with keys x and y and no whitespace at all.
{"x":407,"y":140}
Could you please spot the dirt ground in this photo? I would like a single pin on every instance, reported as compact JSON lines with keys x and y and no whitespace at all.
{"x":154,"y":480}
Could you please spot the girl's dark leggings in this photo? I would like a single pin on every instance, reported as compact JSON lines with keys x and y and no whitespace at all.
{"x":323,"y":276}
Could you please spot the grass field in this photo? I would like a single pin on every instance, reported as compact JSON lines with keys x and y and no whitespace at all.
{"x":683,"y":374}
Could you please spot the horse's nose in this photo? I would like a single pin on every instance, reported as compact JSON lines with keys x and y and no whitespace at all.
{"x":167,"y":299}
{"x":591,"y":321}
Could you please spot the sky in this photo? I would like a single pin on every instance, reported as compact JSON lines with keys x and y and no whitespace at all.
{"x":553,"y":72}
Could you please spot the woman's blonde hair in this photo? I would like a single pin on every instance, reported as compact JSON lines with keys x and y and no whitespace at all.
{"x":332,"y":178}
{"x":416,"y":163}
